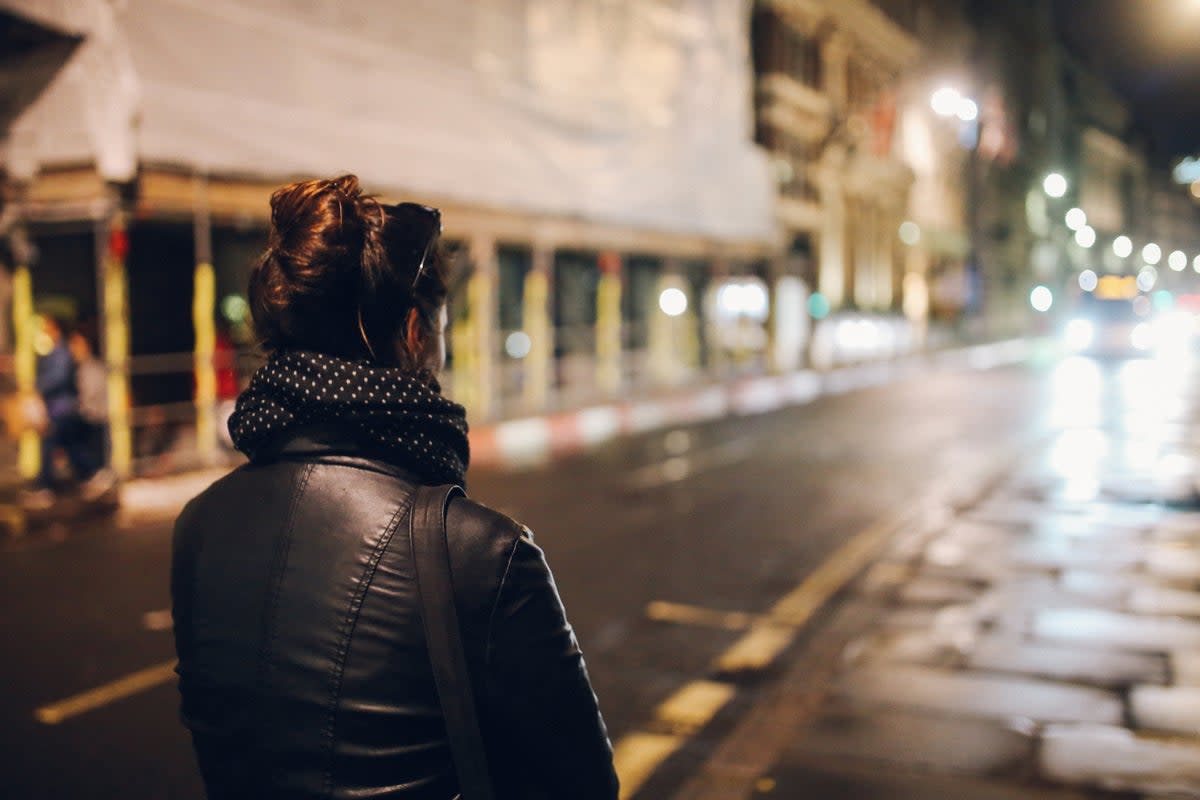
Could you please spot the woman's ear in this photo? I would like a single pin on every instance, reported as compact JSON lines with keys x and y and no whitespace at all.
{"x":414,"y":339}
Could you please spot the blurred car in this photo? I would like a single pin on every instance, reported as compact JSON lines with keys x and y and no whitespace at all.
{"x":1117,"y":320}
{"x":1112,"y":326}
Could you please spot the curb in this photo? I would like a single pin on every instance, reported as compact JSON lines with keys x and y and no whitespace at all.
{"x":531,"y":441}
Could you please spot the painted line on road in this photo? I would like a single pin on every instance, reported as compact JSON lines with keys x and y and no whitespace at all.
{"x":638,"y":755}
{"x":119,"y":689}
{"x":684,"y":614}
{"x":689,"y":709}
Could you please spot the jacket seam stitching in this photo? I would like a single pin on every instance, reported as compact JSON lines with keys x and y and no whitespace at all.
{"x":348,"y":626}
{"x":512,"y":553}
{"x":267,"y":649}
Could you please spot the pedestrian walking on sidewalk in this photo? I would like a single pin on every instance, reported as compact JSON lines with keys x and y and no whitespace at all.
{"x":314,"y":657}
{"x":91,"y":379}
{"x":66,"y":431}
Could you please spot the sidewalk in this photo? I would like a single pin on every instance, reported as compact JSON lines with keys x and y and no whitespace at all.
{"x":1042,"y":642}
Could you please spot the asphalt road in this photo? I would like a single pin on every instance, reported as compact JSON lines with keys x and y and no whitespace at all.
{"x":726,"y":516}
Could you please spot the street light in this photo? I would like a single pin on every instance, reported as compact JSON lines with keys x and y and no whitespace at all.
{"x":1041,"y":298}
{"x":1152,"y":254}
{"x":945,"y":101}
{"x":1055,"y":184}
{"x":1177,"y":261}
{"x":1122,"y":246}
{"x":1086,"y":236}
{"x":1076,"y":219}
{"x":1146,"y":278}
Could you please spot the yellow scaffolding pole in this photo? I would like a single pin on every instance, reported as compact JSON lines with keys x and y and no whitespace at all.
{"x":116,"y":346}
{"x":29,"y":448}
{"x":204,"y":300}
{"x":608,"y":324}
{"x":482,"y":299}
{"x":536,"y":322}
{"x":204,"y":306}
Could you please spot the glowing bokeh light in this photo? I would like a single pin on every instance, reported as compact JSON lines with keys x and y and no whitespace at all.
{"x":1055,"y":184}
{"x":1041,"y":298}
{"x":673,"y":302}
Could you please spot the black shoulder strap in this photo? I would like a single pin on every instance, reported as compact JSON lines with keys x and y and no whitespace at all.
{"x":431,"y":560}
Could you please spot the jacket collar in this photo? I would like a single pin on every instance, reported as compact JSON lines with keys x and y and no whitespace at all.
{"x":329,"y":444}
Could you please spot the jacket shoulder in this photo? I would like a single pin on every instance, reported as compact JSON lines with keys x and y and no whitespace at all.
{"x":470,"y":519}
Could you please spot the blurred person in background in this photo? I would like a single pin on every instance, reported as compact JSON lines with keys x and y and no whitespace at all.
{"x":91,"y":380}
{"x":65,"y":431}
{"x":303,"y":665}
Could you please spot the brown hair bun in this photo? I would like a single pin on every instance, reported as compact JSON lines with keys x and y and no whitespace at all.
{"x":304,"y":290}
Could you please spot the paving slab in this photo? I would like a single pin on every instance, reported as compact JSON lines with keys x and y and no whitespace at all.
{"x":1101,"y":588}
{"x":908,"y":618}
{"x":1185,"y":667}
{"x":1117,"y":759}
{"x":1139,"y":488}
{"x":978,"y":694}
{"x":1164,"y":601}
{"x":915,"y":740}
{"x":1010,"y":604}
{"x":1063,"y":554}
{"x":998,"y":510}
{"x":1183,"y":527}
{"x":924,"y":647}
{"x":937,"y":591}
{"x":1104,"y":668}
{"x":884,"y":577}
{"x":1100,"y":628}
{"x":798,"y":776}
{"x":1087,"y":528}
{"x":1175,"y":562}
{"x":1175,"y":709}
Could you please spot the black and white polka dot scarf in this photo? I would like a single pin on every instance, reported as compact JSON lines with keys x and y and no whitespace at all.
{"x":407,"y":420}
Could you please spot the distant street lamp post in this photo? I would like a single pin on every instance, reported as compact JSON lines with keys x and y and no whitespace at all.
{"x":950,"y":103}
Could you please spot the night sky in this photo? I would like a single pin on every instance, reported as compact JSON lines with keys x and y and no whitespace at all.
{"x":1150,"y":52}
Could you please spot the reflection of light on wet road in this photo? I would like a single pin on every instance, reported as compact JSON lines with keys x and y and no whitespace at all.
{"x":1077,"y":393}
{"x":1124,"y":418}
{"x":1077,"y":456}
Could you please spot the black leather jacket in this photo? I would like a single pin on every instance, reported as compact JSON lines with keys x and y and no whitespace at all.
{"x":302,"y":661}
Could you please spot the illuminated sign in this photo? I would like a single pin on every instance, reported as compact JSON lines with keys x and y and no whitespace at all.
{"x":1117,"y":287}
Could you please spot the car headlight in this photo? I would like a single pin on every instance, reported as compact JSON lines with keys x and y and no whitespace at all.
{"x":1080,"y":333}
{"x":1142,"y":337}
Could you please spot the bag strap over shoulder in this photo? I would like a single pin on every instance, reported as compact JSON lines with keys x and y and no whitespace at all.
{"x":431,"y":560}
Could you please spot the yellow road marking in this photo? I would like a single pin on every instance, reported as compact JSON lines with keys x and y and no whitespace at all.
{"x":108,"y":693}
{"x":663,"y":611}
{"x":757,"y":648}
{"x":797,"y":606}
{"x":690,"y":708}
{"x":637,"y":756}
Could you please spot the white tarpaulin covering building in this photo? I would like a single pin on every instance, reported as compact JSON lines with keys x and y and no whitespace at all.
{"x":629,"y":112}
